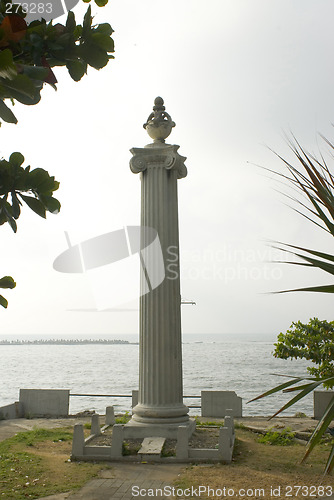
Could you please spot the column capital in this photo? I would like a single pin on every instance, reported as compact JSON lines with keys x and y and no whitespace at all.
{"x":158,"y":156}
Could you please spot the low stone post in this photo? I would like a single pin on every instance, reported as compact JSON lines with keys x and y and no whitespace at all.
{"x":182,"y":442}
{"x":229,"y":420}
{"x":95,"y":429}
{"x":78,"y":442}
{"x":225,"y":444}
{"x":110,"y":416}
{"x":117,"y":441}
{"x":134,"y":401}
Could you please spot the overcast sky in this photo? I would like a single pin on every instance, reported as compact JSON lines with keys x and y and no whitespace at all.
{"x":235,"y":75}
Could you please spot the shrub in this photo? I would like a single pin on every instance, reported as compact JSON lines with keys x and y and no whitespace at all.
{"x":313,"y":341}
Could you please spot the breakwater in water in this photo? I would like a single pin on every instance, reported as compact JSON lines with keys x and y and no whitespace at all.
{"x":66,"y":342}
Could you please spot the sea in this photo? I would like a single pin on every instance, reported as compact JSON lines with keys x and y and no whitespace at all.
{"x":240,"y":363}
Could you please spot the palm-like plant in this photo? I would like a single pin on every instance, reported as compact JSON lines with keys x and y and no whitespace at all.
{"x":314,"y":180}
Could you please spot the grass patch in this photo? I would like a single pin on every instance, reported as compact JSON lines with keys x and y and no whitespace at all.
{"x":35,"y":464}
{"x":123,"y":419}
{"x":37,"y":435}
{"x":257,"y":466}
{"x":284,"y":438}
{"x":131,"y":446}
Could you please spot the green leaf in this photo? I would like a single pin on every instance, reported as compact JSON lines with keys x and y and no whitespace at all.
{"x":35,"y":72}
{"x":76,"y":69}
{"x":87,"y":22}
{"x":52,"y":204}
{"x":7,"y":67}
{"x":3,"y":302}
{"x":322,"y":255}
{"x":7,"y":282}
{"x":321,"y":289}
{"x":103,"y":41}
{"x":298,"y":387}
{"x":308,"y":388}
{"x":320,"y":429}
{"x":325,"y":266}
{"x":16,"y":159}
{"x":15,"y":205}
{"x":20,"y":84}
{"x":35,"y":205}
{"x":101,"y":3}
{"x":278,"y":388}
{"x":40,"y":180}
{"x":6,"y":114}
{"x":22,"y":89}
{"x":105,"y":29}
{"x":330,"y":462}
{"x":70,"y":22}
{"x":94,"y":55}
{"x":12,"y":224}
{"x":322,"y":216}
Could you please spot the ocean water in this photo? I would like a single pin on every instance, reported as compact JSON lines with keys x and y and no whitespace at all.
{"x":246,"y":367}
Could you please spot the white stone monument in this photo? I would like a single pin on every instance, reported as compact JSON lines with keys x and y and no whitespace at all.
{"x":160,"y":409}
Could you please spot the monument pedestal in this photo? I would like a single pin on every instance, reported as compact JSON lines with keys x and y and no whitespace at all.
{"x":137,"y":430}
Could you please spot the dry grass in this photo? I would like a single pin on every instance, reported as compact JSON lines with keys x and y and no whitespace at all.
{"x":262,"y":467}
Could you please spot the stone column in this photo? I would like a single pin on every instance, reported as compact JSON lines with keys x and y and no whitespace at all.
{"x":160,"y":401}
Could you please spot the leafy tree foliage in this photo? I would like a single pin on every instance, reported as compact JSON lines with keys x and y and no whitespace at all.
{"x":33,"y":187}
{"x":16,"y":180}
{"x":6,"y":282}
{"x":313,"y":341}
{"x":28,"y":52}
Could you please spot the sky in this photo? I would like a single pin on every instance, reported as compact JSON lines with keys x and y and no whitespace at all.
{"x":235,"y":76}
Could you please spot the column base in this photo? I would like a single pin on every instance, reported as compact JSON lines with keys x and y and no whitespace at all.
{"x":147,"y":414}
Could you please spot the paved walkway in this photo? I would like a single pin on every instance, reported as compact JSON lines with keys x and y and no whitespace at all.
{"x":124,"y":482}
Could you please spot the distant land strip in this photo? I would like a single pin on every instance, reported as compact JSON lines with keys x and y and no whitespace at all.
{"x":65,"y":342}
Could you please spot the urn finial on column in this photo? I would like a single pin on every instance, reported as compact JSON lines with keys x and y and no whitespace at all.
{"x":159,"y":124}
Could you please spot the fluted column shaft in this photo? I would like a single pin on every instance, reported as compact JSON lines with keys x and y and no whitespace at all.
{"x":160,"y":363}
